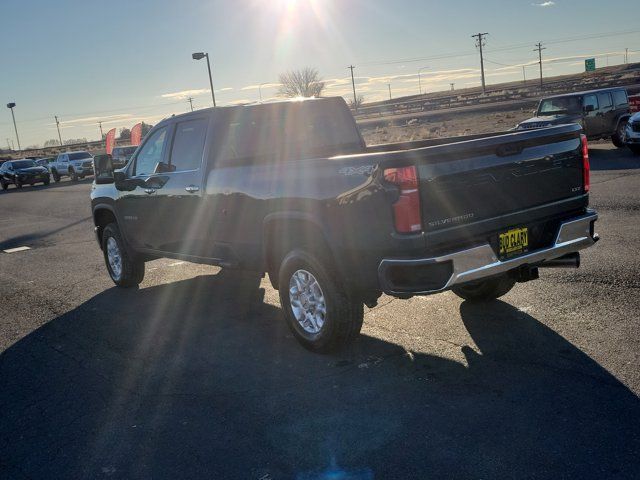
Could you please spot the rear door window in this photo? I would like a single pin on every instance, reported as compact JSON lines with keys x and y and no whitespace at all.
{"x":604,"y":99}
{"x":620,"y":98}
{"x":188,"y":145}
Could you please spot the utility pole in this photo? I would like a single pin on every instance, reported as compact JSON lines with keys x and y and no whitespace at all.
{"x":453,"y":86}
{"x":58,"y":127}
{"x":353,"y":84}
{"x":389,"y":85}
{"x":626,"y":55}
{"x":190,"y":99}
{"x":101,"y":134}
{"x":524,"y":76}
{"x":539,"y":49}
{"x":480,"y":42}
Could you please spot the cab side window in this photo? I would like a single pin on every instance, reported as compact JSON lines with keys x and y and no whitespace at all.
{"x":604,"y":99}
{"x":151,"y":154}
{"x":590,"y":100}
{"x":188,"y":145}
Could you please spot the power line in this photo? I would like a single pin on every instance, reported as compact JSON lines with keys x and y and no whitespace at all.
{"x":481,"y":43}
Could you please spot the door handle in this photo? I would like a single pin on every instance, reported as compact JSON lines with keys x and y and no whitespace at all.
{"x":192,"y":188}
{"x":150,"y":191}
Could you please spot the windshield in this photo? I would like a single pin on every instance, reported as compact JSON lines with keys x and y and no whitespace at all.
{"x":23,"y":164}
{"x":79,"y":155}
{"x":559,"y":105}
{"x":124,"y":151}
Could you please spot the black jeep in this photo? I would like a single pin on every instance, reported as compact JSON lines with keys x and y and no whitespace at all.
{"x":601,"y":113}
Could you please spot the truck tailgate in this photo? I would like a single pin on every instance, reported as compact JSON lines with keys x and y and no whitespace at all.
{"x":480,"y":180}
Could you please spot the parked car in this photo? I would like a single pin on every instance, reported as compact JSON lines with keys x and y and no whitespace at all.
{"x":45,"y":161}
{"x":22,"y":172}
{"x":121,"y":155}
{"x":632,"y":133}
{"x":291,"y":189}
{"x":601,"y":113}
{"x":75,"y":165}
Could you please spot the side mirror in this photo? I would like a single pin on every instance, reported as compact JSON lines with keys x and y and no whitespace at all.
{"x":588,"y":108}
{"x":103,"y":168}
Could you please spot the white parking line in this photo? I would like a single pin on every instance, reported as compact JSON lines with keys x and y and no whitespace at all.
{"x":16,"y":249}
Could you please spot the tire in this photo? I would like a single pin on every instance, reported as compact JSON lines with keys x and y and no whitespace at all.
{"x":73,"y":175}
{"x":485,"y":290}
{"x":635,"y":149}
{"x":47,"y":181}
{"x":55,"y":175}
{"x":131,"y":271}
{"x":618,"y":137}
{"x":18,"y":183}
{"x":4,"y":185}
{"x":342,"y":318}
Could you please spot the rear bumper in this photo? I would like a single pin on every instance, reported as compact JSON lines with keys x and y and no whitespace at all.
{"x":422,"y":276}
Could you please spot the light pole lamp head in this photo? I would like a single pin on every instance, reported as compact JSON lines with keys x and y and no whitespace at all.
{"x":198,"y":55}
{"x":11,"y":105}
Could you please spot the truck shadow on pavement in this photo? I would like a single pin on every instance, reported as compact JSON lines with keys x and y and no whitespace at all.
{"x":613,"y":159}
{"x":201,"y":379}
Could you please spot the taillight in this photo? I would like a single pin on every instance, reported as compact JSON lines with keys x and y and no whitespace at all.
{"x":406,"y":210}
{"x":586,"y":169}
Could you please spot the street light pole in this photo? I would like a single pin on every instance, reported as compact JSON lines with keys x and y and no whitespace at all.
{"x":10,"y":106}
{"x":419,"y":82}
{"x":200,"y":56}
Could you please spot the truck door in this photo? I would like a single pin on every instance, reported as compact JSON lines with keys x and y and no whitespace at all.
{"x":182,"y":215}
{"x":140,"y":209}
{"x":592,"y":121}
{"x":607,"y":113}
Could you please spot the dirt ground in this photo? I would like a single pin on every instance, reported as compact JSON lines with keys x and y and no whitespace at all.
{"x":448,"y":125}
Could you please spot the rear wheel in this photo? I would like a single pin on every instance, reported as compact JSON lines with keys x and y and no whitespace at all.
{"x":618,"y":137}
{"x":319,"y":312}
{"x":485,"y":290}
{"x":124,"y":270}
{"x":4,"y":184}
{"x":47,"y":181}
{"x":18,"y":183}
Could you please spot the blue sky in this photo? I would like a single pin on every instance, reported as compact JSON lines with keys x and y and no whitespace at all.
{"x":121,"y":62}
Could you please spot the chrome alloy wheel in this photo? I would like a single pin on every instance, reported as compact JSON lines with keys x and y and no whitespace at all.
{"x":307,"y":301}
{"x":114,"y":257}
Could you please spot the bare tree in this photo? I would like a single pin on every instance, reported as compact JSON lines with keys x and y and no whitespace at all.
{"x":358,"y":103}
{"x":301,"y":83}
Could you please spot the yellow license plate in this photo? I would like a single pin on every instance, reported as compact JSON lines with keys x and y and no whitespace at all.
{"x":514,"y":241}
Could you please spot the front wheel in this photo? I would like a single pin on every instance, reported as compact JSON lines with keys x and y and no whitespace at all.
{"x":73,"y":175}
{"x":124,"y":270}
{"x":618,"y":137}
{"x":4,"y":184}
{"x":485,"y":290}
{"x":319,"y":312}
{"x":55,"y":175}
{"x":18,"y":183}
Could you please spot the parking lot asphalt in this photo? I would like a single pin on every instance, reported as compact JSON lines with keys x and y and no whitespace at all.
{"x":195,"y":375}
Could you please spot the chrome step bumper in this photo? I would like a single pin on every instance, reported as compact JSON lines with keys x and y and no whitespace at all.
{"x":481,"y":261}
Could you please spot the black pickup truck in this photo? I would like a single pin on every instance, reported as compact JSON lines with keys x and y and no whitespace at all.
{"x":290,"y":189}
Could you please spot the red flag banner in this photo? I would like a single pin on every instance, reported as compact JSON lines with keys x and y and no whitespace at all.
{"x":110,"y":140}
{"x":136,"y":134}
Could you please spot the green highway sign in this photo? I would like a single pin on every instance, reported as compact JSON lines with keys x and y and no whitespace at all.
{"x":590,"y":65}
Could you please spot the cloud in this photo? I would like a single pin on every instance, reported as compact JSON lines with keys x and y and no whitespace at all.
{"x":263,"y":85}
{"x":548,"y":3}
{"x":186,"y":93}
